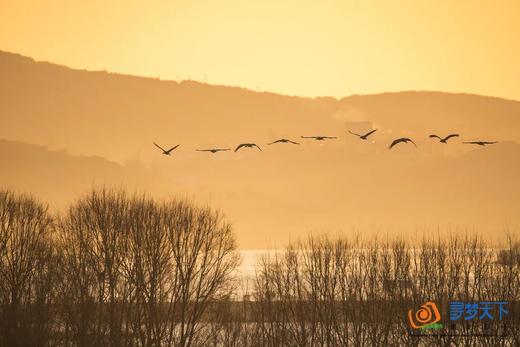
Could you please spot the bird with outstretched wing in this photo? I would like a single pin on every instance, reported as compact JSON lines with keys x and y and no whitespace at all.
{"x":164,"y":151}
{"x":319,"y":138}
{"x":445,"y":139}
{"x":214,"y":150}
{"x":249,"y":145}
{"x":480,"y":143}
{"x":283,"y":141}
{"x":401,"y":140}
{"x":363,"y":137}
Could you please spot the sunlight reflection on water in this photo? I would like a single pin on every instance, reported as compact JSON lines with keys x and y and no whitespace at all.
{"x":245,"y":272}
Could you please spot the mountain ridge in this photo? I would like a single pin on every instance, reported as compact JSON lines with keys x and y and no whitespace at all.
{"x":49,"y":104}
{"x":195,"y":82}
{"x":283,"y":191}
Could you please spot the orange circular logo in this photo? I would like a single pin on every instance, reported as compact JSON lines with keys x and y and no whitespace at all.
{"x":427,"y":314}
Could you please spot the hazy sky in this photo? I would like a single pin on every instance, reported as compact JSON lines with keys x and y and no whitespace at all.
{"x":306,"y":48}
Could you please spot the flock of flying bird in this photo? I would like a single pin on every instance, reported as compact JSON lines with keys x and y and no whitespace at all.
{"x":323,"y":138}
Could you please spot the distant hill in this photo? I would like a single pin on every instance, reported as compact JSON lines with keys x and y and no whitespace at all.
{"x":59,"y":177}
{"x":105,"y":120}
{"x":422,"y":113}
{"x":117,"y":116}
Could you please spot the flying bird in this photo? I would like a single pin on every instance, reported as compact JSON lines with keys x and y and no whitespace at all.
{"x":319,"y":138}
{"x":250,"y":145}
{"x":402,"y":139}
{"x":445,"y":139}
{"x":363,"y":137}
{"x":214,"y":150}
{"x":480,"y":143}
{"x":166,"y":152}
{"x":283,"y":141}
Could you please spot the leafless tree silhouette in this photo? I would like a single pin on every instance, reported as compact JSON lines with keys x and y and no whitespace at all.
{"x":350,"y":292}
{"x":27,"y":271}
{"x":121,"y":270}
{"x":142,"y":272}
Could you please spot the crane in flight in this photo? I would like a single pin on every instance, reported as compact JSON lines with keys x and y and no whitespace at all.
{"x":319,"y":138}
{"x":364,"y":137}
{"x":403,"y":140}
{"x":214,"y":150}
{"x":444,"y":139}
{"x":249,"y":145}
{"x":164,"y":151}
{"x":283,"y":141}
{"x":480,"y":143}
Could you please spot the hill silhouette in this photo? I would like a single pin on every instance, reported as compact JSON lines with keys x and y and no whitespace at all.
{"x":58,"y":176}
{"x":116,"y":116}
{"x":284,"y":191}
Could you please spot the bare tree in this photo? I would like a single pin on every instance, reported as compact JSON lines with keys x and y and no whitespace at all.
{"x":142,"y":272}
{"x":203,"y":260}
{"x":92,"y":241}
{"x":26,"y":271}
{"x":120,"y":270}
{"x":344,"y":292}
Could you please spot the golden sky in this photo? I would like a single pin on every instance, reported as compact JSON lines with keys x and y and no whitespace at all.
{"x":306,"y":48}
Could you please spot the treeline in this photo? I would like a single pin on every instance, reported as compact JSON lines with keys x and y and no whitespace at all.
{"x":354,"y":292}
{"x":113,"y":270}
{"x":121,"y":270}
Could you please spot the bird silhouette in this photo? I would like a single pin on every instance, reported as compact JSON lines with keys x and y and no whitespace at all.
{"x":283,"y":141}
{"x":250,"y":145}
{"x":445,"y":139}
{"x":363,"y":137}
{"x":214,"y":150}
{"x":402,"y":139}
{"x":164,"y":151}
{"x":480,"y":143}
{"x":319,"y":138}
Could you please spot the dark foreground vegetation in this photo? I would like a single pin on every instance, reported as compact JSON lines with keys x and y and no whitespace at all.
{"x":120,"y":270}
